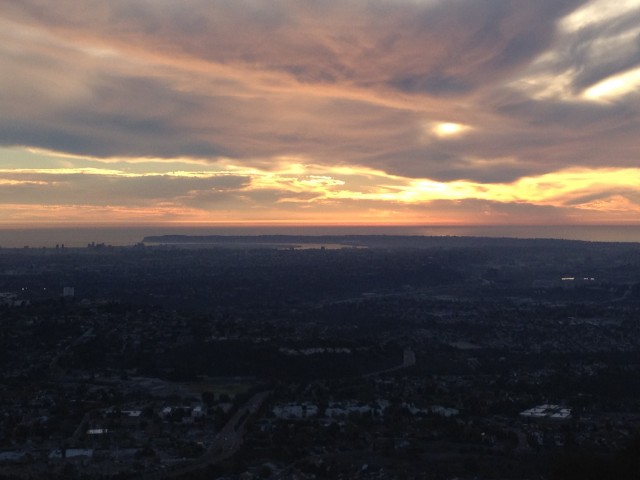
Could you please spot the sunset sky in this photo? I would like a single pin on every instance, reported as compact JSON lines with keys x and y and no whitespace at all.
{"x":319,"y":112}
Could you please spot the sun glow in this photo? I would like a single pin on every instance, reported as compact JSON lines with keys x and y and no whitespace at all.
{"x":292,"y":189}
{"x":447,"y":129}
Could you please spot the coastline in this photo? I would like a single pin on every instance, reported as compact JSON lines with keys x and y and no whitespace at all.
{"x":130,"y":235}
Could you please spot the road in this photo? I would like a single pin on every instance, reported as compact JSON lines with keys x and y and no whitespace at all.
{"x":53,"y":365}
{"x":227,"y":442}
{"x":408,"y":360}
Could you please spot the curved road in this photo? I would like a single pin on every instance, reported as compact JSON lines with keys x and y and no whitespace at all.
{"x":226,"y":443}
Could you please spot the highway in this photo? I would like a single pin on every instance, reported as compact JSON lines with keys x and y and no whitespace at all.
{"x":227,"y":441}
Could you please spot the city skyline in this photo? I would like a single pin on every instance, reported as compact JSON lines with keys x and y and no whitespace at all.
{"x":385,"y":112}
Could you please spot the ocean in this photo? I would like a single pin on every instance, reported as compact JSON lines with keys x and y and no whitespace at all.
{"x":130,"y":235}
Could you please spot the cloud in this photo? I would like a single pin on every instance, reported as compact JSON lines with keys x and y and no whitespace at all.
{"x":96,"y":187}
{"x":480,"y":92}
{"x":298,"y":192}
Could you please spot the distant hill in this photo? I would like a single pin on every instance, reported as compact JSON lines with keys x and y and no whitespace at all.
{"x":388,"y":241}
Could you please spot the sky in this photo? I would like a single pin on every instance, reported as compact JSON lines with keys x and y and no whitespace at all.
{"x":319,"y":112}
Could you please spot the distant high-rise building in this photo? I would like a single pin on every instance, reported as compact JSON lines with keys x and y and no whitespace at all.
{"x":68,"y":292}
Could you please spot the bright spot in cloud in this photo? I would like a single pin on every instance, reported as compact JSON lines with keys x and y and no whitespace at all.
{"x":320,"y":181}
{"x":596,"y":12}
{"x":615,"y":86}
{"x":447,"y":129}
{"x":544,"y":86}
